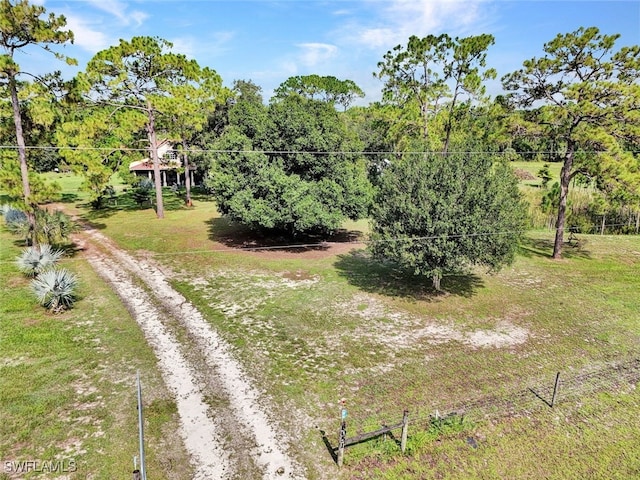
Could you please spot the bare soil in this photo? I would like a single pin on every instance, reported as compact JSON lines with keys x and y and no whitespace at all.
{"x":225,"y":423}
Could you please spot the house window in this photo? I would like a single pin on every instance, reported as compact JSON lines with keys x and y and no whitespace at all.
{"x":170,"y":155}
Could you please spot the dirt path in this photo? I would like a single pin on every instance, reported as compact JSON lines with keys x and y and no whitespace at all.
{"x":225,"y":425}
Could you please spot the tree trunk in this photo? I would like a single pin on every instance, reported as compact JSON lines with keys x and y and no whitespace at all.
{"x":187,"y":174}
{"x":436,"y":277}
{"x":22,"y":155}
{"x":449,"y":124}
{"x":565,"y":180}
{"x":153,"y":148}
{"x":425,"y":122}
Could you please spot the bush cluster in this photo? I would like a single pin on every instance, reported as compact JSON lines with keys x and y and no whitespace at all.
{"x":54,"y":288}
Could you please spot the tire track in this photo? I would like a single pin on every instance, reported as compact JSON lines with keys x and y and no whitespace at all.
{"x":203,"y":437}
{"x":199,"y":433}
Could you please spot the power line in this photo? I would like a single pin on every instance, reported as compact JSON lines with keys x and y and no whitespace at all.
{"x":291,"y":152}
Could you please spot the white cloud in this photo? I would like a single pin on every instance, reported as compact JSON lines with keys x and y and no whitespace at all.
{"x":202,"y":47}
{"x":378,"y":37}
{"x":395,"y":21}
{"x":119,"y":10}
{"x":316,"y":53}
{"x":84,"y":36}
{"x":287,"y":69}
{"x":139,"y":17}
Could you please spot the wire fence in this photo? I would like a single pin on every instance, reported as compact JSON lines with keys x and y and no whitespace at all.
{"x":567,"y":388}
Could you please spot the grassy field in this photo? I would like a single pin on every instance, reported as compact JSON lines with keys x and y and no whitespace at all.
{"x":534,"y":168}
{"x":317,"y":326}
{"x":67,"y":385}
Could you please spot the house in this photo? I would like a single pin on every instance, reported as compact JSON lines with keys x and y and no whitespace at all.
{"x":171,"y":168}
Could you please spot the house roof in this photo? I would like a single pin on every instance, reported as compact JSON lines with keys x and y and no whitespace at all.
{"x":166,"y":162}
{"x":147,"y":165}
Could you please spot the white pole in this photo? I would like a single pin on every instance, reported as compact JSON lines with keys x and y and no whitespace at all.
{"x":143,"y":472}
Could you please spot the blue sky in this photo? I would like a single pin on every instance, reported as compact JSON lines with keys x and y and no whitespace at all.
{"x":268,"y":41}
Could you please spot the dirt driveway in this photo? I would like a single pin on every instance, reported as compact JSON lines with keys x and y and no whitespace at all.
{"x":225,"y":423}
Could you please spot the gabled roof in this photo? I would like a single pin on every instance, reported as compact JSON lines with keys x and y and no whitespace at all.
{"x":166,"y":162}
{"x":146,"y":165}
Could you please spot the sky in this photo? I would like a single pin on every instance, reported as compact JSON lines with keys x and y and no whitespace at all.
{"x":268,"y":41}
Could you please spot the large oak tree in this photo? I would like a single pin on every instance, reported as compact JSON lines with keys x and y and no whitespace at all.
{"x":293,"y":171}
{"x":439,"y":214}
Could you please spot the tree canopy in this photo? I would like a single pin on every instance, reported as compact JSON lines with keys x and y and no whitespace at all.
{"x":430,"y":77}
{"x":294,"y":175}
{"x":586,"y":96}
{"x":327,"y":88}
{"x":438,"y":214}
{"x":21,"y":26}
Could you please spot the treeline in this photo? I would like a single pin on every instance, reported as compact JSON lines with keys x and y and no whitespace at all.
{"x":308,"y":158}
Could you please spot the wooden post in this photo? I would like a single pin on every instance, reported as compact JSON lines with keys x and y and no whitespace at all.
{"x":136,"y":475}
{"x":555,"y":390}
{"x":343,"y":434}
{"x":405,"y":430}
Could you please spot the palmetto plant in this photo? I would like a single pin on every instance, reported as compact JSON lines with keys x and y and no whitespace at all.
{"x":49,"y":227}
{"x":35,"y":260}
{"x":53,"y":227}
{"x":16,"y":220}
{"x":55,"y":289}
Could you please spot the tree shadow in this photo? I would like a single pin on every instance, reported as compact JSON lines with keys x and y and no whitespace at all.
{"x":373,"y":276}
{"x":69,"y":198}
{"x":89,"y":222}
{"x":543,"y":247}
{"x":235,"y":235}
{"x":71,"y":250}
{"x":540,"y":397}
{"x":125,"y":202}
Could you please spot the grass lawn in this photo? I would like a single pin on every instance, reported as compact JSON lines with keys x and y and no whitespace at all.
{"x":534,"y":167}
{"x":315,"y":327}
{"x":67,"y":384}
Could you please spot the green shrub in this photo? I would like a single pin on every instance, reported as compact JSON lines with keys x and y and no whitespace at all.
{"x":13,"y":216}
{"x":49,"y":227}
{"x":142,"y":191}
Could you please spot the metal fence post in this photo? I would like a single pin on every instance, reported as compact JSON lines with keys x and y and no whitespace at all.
{"x":555,"y":390}
{"x":343,"y":435}
{"x":142,"y":473}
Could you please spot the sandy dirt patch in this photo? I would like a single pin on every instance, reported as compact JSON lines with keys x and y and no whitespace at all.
{"x":184,"y":360}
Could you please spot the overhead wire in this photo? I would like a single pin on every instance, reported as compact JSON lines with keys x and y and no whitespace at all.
{"x":323,"y":152}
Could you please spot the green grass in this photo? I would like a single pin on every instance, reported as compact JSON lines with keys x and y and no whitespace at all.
{"x":67,"y":382}
{"x":311,"y":346}
{"x":71,"y":185}
{"x":595,"y":440}
{"x":315,"y":329}
{"x":534,"y":167}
